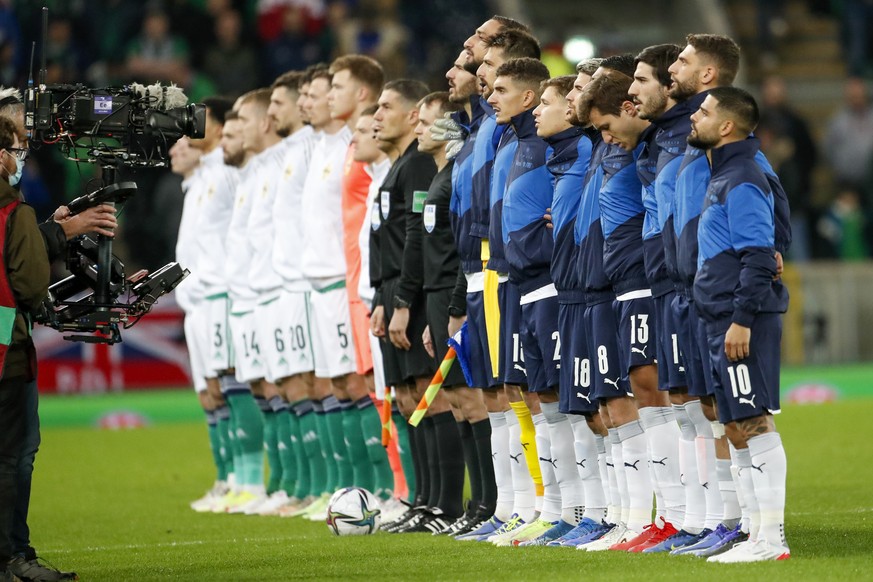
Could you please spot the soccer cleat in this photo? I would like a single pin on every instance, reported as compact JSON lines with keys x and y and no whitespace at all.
{"x":711,"y":537}
{"x":658,"y":536}
{"x":319,"y":505}
{"x":34,"y":570}
{"x":560,"y":528}
{"x":506,"y":530}
{"x":752,"y":551}
{"x":485,"y":529}
{"x":649,"y":532}
{"x":719,"y":546}
{"x":270,"y":505}
{"x":294,"y":505}
{"x":422,"y":514}
{"x":205,"y":503}
{"x":572,"y":537}
{"x":227,"y":500}
{"x":615,"y":536}
{"x":392,"y":509}
{"x":677,"y":540}
{"x":460,"y":526}
{"x":622,"y":542}
{"x":403,"y":519}
{"x":407,"y":520}
{"x":246,"y":501}
{"x":528,"y":531}
{"x":679,"y":550}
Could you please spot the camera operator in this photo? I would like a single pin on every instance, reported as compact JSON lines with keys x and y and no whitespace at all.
{"x":24,"y":283}
{"x":55,"y":233}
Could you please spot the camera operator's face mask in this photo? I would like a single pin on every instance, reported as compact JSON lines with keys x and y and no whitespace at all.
{"x":15,"y":178}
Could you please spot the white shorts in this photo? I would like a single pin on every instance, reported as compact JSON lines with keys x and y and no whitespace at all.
{"x":331,"y":329}
{"x":283,"y":330}
{"x":195,"y":338}
{"x":246,"y":347}
{"x":378,"y":368}
{"x":220,"y":354}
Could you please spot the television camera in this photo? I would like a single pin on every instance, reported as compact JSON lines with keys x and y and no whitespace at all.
{"x":132,"y":126}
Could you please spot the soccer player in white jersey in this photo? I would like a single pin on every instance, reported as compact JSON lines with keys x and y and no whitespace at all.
{"x":248,"y":362}
{"x":217,"y":184}
{"x":324,"y":266}
{"x":284,"y":320}
{"x":261,"y":138}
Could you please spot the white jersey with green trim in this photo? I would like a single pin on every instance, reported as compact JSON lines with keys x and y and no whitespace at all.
{"x":219,"y":188}
{"x":263,"y":277}
{"x":190,"y":291}
{"x":377,"y":172}
{"x":323,"y":256}
{"x":287,"y":209}
{"x":242,"y":296}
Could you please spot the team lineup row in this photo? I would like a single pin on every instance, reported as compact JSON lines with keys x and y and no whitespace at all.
{"x":604,"y":249}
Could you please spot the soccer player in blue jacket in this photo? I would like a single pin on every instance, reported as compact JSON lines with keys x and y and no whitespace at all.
{"x":622,"y":215}
{"x":707,"y":62}
{"x":741,"y":300}
{"x":517,"y":484}
{"x":528,"y":247}
{"x":664,"y":146}
{"x":568,"y":164}
{"x":527,"y":244}
{"x":610,"y":385}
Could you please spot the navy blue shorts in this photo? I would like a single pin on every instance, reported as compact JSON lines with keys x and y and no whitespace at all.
{"x":477,"y":343}
{"x":602,"y":330}
{"x":575,"y":394}
{"x":748,"y":387}
{"x":695,"y":349}
{"x":637,"y":334}
{"x":671,"y":367}
{"x":541,"y":343}
{"x":512,"y":369}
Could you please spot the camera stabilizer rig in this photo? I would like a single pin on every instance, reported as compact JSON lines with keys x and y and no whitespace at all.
{"x":130,"y":126}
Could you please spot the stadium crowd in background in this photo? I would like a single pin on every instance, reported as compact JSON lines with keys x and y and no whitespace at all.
{"x":228,"y":47}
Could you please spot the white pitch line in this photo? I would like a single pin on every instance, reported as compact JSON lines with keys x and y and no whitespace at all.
{"x":180,"y":544}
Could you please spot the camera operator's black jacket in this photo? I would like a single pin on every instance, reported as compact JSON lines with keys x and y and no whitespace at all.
{"x":28,"y":271}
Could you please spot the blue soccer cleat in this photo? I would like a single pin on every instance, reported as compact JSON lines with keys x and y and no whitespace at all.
{"x":560,"y":529}
{"x":486,"y":529}
{"x":677,"y":540}
{"x":585,"y":527}
{"x":725,"y":543}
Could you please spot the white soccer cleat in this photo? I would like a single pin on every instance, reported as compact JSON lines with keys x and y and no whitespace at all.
{"x":752,"y":551}
{"x":205,"y":503}
{"x":272,"y":504}
{"x":616,"y":535}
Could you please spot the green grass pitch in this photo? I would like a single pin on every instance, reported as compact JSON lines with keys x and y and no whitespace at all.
{"x":113,"y":505}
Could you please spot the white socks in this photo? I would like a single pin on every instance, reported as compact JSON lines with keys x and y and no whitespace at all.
{"x":501,"y":461}
{"x":522,"y":484}
{"x":635,"y":462}
{"x":663,"y":435}
{"x":589,"y":452}
{"x":551,"y":504}
{"x":768,"y":470}
{"x":563,"y":453}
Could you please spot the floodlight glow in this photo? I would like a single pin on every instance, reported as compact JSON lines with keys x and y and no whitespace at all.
{"x":578,"y":48}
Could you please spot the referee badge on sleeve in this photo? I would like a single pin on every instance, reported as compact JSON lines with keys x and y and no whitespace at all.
{"x":429,"y":217}
{"x":375,"y":217}
{"x":385,"y":200}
